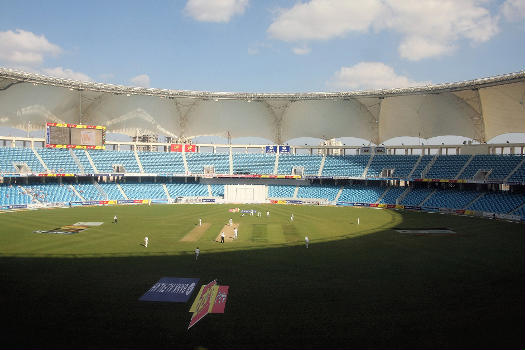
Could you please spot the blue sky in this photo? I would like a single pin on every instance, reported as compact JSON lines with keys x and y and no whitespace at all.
{"x":265,"y":46}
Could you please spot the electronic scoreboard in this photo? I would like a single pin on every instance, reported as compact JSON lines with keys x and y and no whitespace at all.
{"x":59,"y":135}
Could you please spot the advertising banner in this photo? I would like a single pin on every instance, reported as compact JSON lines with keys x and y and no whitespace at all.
{"x":271,"y":149}
{"x":202,"y":303}
{"x":190,"y":148}
{"x":175,"y":147}
{"x":284,"y":149}
{"x":171,"y":289}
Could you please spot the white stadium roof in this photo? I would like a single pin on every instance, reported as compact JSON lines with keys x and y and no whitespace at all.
{"x":479,"y":109}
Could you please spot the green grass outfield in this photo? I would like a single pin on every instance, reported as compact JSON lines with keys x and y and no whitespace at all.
{"x":357,"y":286}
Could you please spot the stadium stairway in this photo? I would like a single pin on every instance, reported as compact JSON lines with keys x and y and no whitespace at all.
{"x":321,"y":166}
{"x":403,"y":195}
{"x":464,"y":167}
{"x":100,"y":190}
{"x":276,"y":165}
{"x":429,"y":165}
{"x":40,"y":159}
{"x":295,"y":192}
{"x":474,"y":200}
{"x":166,"y":192}
{"x":338,"y":194}
{"x":138,"y":160}
{"x":426,"y":199}
{"x":91,"y":161}
{"x":185,"y":161}
{"x":382,"y":195}
{"x":519,"y":165}
{"x":76,"y":192}
{"x":409,"y":176}
{"x":230,"y":156}
{"x":77,"y":162}
{"x":368,"y":165}
{"x":122,"y":191}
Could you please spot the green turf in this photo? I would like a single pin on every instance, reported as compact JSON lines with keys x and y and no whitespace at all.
{"x":357,"y":286}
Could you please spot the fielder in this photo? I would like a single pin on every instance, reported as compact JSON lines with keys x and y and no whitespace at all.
{"x":146,"y":241}
{"x":222,"y":237}
{"x":306,"y":241}
{"x":200,"y":222}
{"x":115,"y":219}
{"x":230,"y":222}
{"x":291,"y":217}
{"x":197,"y":252}
{"x":235,"y":233}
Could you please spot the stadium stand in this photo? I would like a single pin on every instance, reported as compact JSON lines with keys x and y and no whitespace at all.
{"x":447,"y":167}
{"x":245,"y":163}
{"x":106,"y":160}
{"x":187,"y":190}
{"x":162,"y":162}
{"x":311,"y":163}
{"x":347,"y":166}
{"x":416,"y":196}
{"x":144,"y":191}
{"x":392,"y":195}
{"x":401,"y":164}
{"x":13,"y":195}
{"x":281,"y":191}
{"x":59,"y":160}
{"x":318,"y":191}
{"x":361,"y":194}
{"x":498,"y":202}
{"x":453,"y":199}
{"x":197,"y":161}
{"x":11,"y":156}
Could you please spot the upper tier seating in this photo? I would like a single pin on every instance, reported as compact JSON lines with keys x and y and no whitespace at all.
{"x":162,"y":162}
{"x":59,"y":160}
{"x":197,"y":161}
{"x":310,"y":163}
{"x":8,"y":156}
{"x":499,"y":165}
{"x":447,"y":167}
{"x":402,"y":165}
{"x":421,"y":166}
{"x":217,"y":190}
{"x":104,"y":160}
{"x":348,"y":166}
{"x":84,"y":161}
{"x":246,"y":163}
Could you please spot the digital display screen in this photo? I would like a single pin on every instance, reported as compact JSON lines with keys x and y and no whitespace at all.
{"x":75,"y":136}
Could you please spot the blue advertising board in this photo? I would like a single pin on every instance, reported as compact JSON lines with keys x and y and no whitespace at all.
{"x":284,"y":149}
{"x":172,"y":289}
{"x":271,"y":149}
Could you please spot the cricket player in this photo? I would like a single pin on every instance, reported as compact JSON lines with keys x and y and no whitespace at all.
{"x":222,"y":237}
{"x":267,"y":213}
{"x":200,"y":223}
{"x":197,"y":252}
{"x":235,"y":233}
{"x":146,"y":241}
{"x":230,"y":222}
{"x":306,"y":241}
{"x":291,"y":217}
{"x":115,"y":219}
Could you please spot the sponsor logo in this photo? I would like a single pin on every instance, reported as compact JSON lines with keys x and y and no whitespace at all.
{"x":171,"y":289}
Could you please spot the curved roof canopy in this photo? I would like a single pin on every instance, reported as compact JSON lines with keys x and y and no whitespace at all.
{"x":479,"y":109}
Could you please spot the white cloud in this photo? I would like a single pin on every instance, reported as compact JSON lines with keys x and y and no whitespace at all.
{"x":25,"y":48}
{"x":216,"y":10}
{"x":513,"y":10}
{"x":66,"y":73}
{"x":324,"y":19}
{"x":141,"y":80}
{"x":428,"y":28}
{"x":302,"y":50}
{"x":370,"y":75}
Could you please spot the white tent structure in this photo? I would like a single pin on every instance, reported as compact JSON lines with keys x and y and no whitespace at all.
{"x":478,"y":109}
